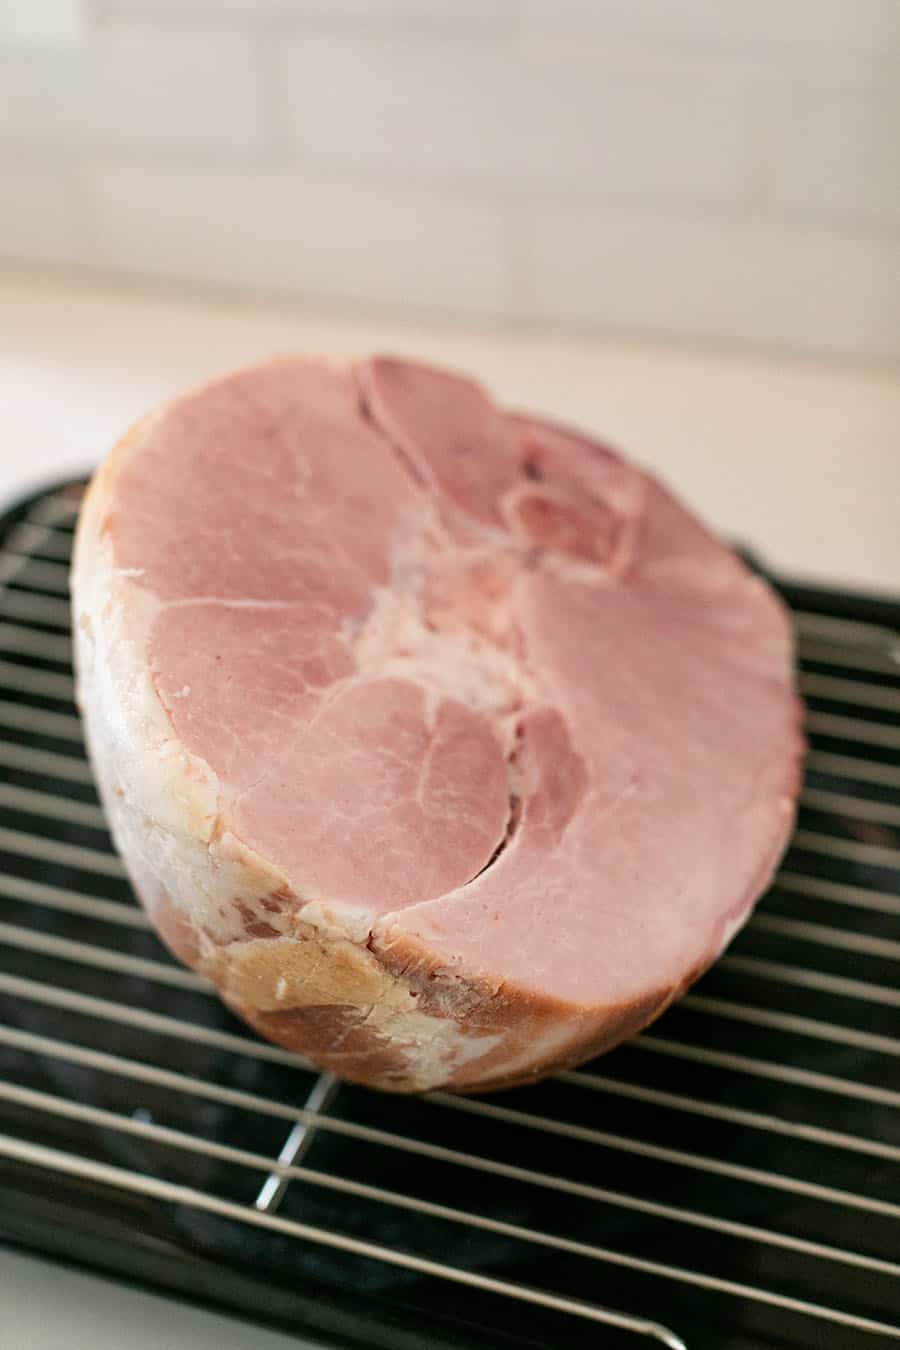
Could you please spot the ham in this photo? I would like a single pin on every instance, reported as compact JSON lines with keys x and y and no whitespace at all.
{"x":444,"y":741}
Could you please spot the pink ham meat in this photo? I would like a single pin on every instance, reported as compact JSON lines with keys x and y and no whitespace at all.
{"x":444,"y":741}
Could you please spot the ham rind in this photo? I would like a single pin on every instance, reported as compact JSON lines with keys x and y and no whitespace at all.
{"x":443,"y":740}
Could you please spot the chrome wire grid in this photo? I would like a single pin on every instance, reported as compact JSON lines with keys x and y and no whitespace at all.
{"x":728,"y":1179}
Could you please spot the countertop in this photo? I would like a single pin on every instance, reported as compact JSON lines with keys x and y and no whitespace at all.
{"x":799,"y":460}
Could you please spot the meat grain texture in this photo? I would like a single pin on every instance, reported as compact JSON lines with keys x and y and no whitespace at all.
{"x":444,"y":741}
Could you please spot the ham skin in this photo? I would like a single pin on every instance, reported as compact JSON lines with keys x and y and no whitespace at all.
{"x":444,"y":741}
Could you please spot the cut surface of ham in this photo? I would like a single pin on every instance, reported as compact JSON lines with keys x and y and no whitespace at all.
{"x":442,"y":739}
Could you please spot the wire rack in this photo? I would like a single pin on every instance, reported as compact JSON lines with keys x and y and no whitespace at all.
{"x":728,"y":1179}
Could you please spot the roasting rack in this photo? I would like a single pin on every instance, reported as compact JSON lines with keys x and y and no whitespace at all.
{"x":729,"y":1179}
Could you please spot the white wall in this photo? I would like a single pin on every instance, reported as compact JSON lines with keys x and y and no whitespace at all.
{"x":705,"y":168}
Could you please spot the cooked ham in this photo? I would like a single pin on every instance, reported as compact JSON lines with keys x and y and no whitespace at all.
{"x":444,"y":741}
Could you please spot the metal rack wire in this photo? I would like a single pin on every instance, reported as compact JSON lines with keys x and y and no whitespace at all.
{"x":728,"y":1179}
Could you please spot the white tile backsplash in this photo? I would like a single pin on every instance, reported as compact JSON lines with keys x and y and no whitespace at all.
{"x":281,"y":233}
{"x":838,"y":157}
{"x":45,"y":96}
{"x":589,"y":123}
{"x":176,"y":89}
{"x":838,"y":25}
{"x":752,"y":282}
{"x":54,"y":21}
{"x":135,"y":87}
{"x":574,"y":120}
{"x":680,"y":166}
{"x":368,"y":14}
{"x":43,"y":217}
{"x":408,"y":106}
